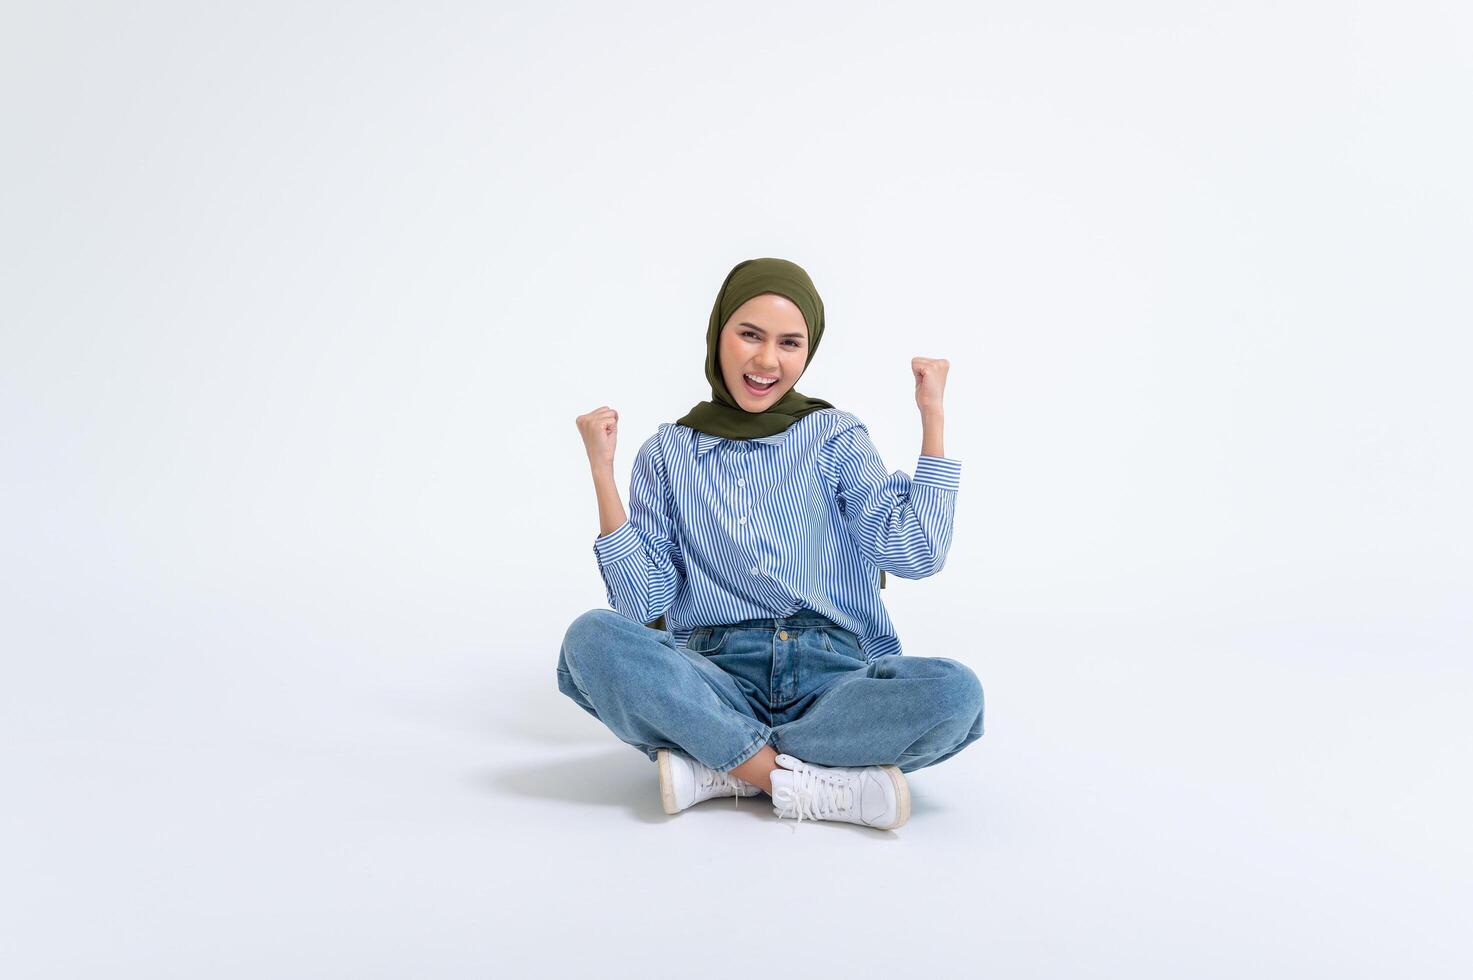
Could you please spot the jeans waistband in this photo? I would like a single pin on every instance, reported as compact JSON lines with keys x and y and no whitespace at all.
{"x":805,"y":618}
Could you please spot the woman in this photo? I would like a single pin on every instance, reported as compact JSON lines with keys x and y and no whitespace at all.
{"x":761,"y":526}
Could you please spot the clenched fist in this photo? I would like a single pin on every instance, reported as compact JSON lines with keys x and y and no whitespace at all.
{"x":600,"y":430}
{"x":930,"y":375}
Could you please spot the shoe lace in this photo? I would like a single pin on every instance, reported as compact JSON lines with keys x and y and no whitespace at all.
{"x":818,"y":795}
{"x":720,"y":780}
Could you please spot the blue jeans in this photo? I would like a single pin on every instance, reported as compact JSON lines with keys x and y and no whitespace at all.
{"x":800,"y":684}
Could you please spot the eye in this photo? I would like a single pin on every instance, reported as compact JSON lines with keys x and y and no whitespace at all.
{"x":795,"y":344}
{"x":749,"y":333}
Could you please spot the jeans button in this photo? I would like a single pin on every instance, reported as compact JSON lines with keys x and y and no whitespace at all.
{"x":783,"y":635}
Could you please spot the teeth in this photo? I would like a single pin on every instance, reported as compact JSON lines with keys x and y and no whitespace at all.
{"x":761,"y":381}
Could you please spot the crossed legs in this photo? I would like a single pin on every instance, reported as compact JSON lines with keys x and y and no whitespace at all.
{"x":907,"y":711}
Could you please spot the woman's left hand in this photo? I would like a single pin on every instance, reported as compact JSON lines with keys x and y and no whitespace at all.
{"x":930,"y":375}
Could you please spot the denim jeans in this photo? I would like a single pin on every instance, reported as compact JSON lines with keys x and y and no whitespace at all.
{"x":800,"y":684}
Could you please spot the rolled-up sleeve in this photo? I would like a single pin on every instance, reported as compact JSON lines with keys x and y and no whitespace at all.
{"x":640,"y":560}
{"x":901,"y":523}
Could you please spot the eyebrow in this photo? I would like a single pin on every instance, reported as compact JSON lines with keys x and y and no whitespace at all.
{"x":764,"y":330}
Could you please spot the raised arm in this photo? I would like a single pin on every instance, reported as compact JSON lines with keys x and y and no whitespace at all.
{"x":638,"y":555}
{"x":901,"y":523}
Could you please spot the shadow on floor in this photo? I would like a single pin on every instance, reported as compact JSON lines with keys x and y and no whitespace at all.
{"x":624,"y":779}
{"x":621,"y":778}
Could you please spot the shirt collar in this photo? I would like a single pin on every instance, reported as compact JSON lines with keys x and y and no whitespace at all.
{"x":705,"y":441}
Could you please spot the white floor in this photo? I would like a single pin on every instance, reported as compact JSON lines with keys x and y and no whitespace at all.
{"x":299,"y":304}
{"x":287,"y":802}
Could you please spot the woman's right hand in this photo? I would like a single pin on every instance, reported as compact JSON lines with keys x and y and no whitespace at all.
{"x":600,"y":430}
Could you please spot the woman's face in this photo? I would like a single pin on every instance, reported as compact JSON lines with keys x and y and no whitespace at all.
{"x":766,"y":338}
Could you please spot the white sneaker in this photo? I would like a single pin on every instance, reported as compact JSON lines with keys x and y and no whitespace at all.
{"x":684,"y":782}
{"x":874,"y":796}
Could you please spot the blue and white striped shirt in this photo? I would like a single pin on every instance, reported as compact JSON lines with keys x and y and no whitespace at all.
{"x":722,"y":530}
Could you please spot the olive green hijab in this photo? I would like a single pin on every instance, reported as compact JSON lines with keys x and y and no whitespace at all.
{"x":722,"y":416}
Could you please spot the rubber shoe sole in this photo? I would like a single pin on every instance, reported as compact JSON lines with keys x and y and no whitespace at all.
{"x":902,"y":796}
{"x":667,"y":782}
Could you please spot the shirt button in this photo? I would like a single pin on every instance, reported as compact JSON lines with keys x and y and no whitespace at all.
{"x":782,"y":635}
{"x":756,"y":570}
{"x":742,"y":519}
{"x":741,"y":483}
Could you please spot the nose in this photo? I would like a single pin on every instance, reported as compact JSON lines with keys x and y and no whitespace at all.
{"x":766,"y":359}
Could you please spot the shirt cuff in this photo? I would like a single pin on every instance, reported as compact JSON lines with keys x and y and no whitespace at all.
{"x":938,"y":471}
{"x":618,"y":543}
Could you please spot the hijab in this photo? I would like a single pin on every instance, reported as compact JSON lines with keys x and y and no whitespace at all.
{"x":721,"y":415}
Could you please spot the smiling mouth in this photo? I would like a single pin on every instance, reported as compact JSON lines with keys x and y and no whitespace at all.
{"x":755,"y":388}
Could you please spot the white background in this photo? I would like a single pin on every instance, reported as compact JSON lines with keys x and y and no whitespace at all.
{"x":298,"y":304}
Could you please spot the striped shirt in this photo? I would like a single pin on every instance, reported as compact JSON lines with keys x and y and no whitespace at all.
{"x":722,"y":530}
